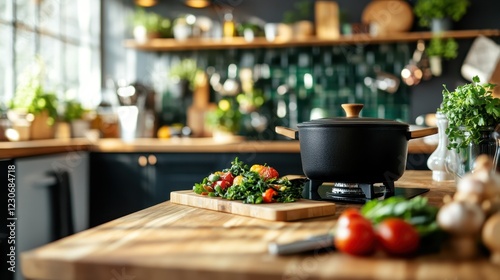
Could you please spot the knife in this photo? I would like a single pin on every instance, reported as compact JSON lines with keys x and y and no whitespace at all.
{"x":312,"y":243}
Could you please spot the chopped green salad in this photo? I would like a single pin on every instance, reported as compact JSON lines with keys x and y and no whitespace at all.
{"x":256,"y":184}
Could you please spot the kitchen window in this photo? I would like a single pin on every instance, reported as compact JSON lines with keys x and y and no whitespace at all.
{"x":65,"y":34}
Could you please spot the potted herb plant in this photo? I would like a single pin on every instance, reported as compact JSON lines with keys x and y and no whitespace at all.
{"x":31,"y":98}
{"x":300,"y":19}
{"x":74,"y":114}
{"x":438,"y":14}
{"x":148,"y":25}
{"x":439,"y":49}
{"x":225,"y":119}
{"x":472,"y":113}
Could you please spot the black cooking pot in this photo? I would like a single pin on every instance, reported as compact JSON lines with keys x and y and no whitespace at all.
{"x":352,"y":149}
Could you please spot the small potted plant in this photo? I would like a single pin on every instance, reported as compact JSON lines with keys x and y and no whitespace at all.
{"x":225,"y":119}
{"x":473,"y":114}
{"x":148,"y":25}
{"x":300,"y":19}
{"x":438,"y":14}
{"x":439,"y":49}
{"x":74,"y":114}
{"x":31,"y":98}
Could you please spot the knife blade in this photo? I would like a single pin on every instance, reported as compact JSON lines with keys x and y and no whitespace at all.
{"x":312,"y":243}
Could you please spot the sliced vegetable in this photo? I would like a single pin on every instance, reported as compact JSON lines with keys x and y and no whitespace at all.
{"x":266,"y":172}
{"x":268,"y":195}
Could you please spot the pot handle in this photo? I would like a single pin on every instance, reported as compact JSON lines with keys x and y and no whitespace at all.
{"x":288,"y":132}
{"x":423,"y":132}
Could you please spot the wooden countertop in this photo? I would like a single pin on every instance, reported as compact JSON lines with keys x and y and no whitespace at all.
{"x":175,"y":145}
{"x":170,"y":241}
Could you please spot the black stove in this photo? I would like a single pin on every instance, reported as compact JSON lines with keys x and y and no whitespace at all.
{"x":358,"y":192}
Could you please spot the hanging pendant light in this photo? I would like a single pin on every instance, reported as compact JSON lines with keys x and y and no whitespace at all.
{"x":145,"y":3}
{"x":198,"y":3}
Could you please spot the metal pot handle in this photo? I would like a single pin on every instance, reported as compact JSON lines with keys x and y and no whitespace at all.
{"x":422,"y":132}
{"x":288,"y":132}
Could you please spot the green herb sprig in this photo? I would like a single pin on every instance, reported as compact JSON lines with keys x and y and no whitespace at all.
{"x":470,"y":108}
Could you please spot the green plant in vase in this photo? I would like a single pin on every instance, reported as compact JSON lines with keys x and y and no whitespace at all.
{"x":439,"y":49}
{"x":431,"y":12}
{"x":300,"y":18}
{"x":74,"y":114}
{"x":31,"y":97}
{"x":147,"y":25}
{"x":73,"y":111}
{"x":473,"y":113}
{"x":226,"y":118}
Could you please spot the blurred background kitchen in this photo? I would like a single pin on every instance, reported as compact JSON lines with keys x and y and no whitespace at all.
{"x":194,"y":68}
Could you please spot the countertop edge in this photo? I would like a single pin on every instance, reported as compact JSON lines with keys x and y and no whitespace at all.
{"x":10,"y":150}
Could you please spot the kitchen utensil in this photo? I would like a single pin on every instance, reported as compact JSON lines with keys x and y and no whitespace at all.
{"x":316,"y":242}
{"x":354,"y":149}
{"x":301,"y":209}
{"x":481,"y":59}
{"x":383,"y":81}
{"x":418,"y":67}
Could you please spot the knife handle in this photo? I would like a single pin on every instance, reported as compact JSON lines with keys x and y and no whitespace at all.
{"x":312,"y":243}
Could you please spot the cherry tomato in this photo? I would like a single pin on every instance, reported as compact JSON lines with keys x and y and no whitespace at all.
{"x":228,"y":176}
{"x":355,"y":236}
{"x":266,"y":172}
{"x":397,"y":237}
{"x":347,"y":215}
{"x":268,"y":195}
{"x":223,"y":184}
{"x":237,"y":180}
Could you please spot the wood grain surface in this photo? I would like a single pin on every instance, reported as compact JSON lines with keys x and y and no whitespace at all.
{"x":301,"y":209}
{"x":172,"y":241}
{"x":174,"y":145}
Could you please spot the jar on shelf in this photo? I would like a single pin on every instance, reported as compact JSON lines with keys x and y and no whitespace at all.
{"x":229,"y":26}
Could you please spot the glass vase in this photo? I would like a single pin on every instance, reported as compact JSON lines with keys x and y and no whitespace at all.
{"x":461,"y":160}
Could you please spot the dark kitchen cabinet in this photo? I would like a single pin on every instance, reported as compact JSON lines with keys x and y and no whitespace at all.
{"x":122,"y":183}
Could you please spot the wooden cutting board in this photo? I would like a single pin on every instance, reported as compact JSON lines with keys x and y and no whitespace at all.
{"x":301,"y":209}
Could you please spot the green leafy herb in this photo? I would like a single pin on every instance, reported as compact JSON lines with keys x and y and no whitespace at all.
{"x":469,"y":109}
{"x":252,"y":186}
{"x":426,"y":10}
{"x":415,"y":211}
{"x":446,"y":48}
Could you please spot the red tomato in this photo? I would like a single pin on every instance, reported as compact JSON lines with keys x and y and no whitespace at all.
{"x":347,"y":215}
{"x":266,"y":172}
{"x":228,"y":176}
{"x":269,"y":173}
{"x":268,"y":195}
{"x":397,"y":237}
{"x":223,"y":184}
{"x":355,"y":236}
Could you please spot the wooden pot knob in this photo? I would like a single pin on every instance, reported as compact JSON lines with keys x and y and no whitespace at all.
{"x":352,"y":110}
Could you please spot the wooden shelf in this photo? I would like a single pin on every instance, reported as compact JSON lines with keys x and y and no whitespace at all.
{"x":260,"y":42}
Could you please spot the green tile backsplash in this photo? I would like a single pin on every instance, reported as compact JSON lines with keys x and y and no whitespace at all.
{"x":320,"y":79}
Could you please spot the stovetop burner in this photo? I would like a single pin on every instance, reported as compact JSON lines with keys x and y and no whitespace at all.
{"x":359,"y":192}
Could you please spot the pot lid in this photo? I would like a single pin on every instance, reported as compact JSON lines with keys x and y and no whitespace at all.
{"x":352,"y":118}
